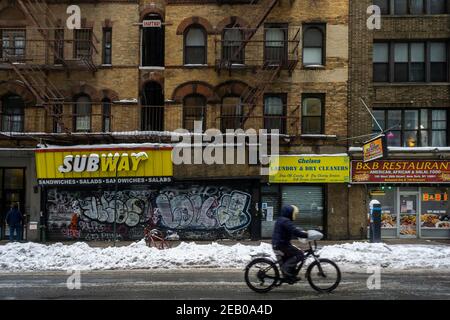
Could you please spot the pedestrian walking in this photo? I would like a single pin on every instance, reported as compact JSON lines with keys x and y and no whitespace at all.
{"x":14,"y":220}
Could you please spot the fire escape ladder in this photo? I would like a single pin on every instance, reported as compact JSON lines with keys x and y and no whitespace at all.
{"x":249,"y":33}
{"x":252,"y":95}
{"x":36,"y":9}
{"x":47,"y":95}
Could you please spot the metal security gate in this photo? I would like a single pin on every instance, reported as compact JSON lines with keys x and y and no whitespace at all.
{"x":310,"y":201}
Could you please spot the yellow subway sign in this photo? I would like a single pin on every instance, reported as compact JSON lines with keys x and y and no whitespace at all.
{"x":309,"y":169}
{"x":134,"y":165}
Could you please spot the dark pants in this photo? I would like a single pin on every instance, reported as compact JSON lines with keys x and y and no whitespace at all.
{"x":291,"y":257}
{"x":18,"y":233}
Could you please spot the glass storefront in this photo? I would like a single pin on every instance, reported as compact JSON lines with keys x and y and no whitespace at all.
{"x":414,"y":212}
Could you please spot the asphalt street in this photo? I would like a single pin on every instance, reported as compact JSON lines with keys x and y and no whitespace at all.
{"x":197,"y":284}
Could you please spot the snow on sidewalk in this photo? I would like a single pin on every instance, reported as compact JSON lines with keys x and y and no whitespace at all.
{"x":17,"y":257}
{"x":360,"y":255}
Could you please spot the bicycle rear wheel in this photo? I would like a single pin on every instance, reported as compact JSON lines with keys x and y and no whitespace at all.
{"x":323,"y":276}
{"x":261,"y":275}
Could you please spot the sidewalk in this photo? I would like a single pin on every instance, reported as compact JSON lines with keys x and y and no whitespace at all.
{"x":105,"y":244}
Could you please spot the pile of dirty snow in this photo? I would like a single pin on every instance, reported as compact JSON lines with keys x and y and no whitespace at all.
{"x":361,"y":255}
{"x":80,"y":256}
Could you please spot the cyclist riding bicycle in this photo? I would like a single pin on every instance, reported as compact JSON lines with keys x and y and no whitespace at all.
{"x":283,"y":232}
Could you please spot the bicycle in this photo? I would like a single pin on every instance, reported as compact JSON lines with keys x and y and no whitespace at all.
{"x":156,"y":239}
{"x":268,"y":273}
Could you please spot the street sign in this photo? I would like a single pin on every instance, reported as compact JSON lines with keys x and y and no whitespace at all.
{"x":375,"y":149}
{"x":151,"y":23}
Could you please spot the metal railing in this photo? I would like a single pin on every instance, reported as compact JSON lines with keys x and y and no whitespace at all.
{"x":26,"y":45}
{"x":259,"y":50}
{"x":53,"y":122}
{"x":152,"y":118}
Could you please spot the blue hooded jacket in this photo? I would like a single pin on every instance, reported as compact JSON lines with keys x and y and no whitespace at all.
{"x":14,"y":217}
{"x":285,"y":229}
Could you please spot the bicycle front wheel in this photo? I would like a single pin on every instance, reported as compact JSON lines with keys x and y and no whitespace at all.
{"x":261,"y":275}
{"x":323,"y":276}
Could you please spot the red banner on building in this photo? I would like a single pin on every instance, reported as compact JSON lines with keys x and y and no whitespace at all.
{"x":401,"y":171}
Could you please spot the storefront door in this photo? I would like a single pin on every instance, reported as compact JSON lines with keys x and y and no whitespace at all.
{"x":409,"y":209}
{"x":12,"y":183}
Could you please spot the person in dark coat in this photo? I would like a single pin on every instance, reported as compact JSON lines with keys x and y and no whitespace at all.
{"x":14,"y":219}
{"x":283,"y":232}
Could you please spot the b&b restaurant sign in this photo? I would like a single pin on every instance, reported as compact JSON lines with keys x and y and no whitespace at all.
{"x":401,"y":171}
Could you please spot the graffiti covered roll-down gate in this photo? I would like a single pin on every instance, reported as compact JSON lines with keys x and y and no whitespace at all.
{"x":203,"y":211}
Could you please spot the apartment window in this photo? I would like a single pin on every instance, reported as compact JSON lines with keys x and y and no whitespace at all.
{"x":438,"y":6}
{"x":383,"y":4}
{"x":313,"y":45}
{"x":107,"y":46}
{"x":410,"y":62}
{"x":413,"y":127}
{"x":412,"y":7}
{"x":381,"y":62}
{"x":232,"y":51}
{"x":275,"y":44}
{"x":106,"y":115}
{"x":194,"y":109}
{"x":83,"y":42}
{"x":152,"y":100}
{"x":195,"y":45}
{"x":12,"y":113}
{"x":57,"y":118}
{"x":152,"y":43}
{"x":438,"y":62}
{"x":232,"y":112}
{"x":82,"y":112}
{"x":402,"y":7}
{"x":275,"y":112}
{"x":13,"y":43}
{"x":312,"y":113}
{"x":59,"y":46}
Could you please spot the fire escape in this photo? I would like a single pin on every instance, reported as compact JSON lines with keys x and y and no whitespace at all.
{"x":33,"y":57}
{"x":249,"y":51}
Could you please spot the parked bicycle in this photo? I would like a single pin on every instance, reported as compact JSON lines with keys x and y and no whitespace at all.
{"x":157,"y":239}
{"x":263,"y":274}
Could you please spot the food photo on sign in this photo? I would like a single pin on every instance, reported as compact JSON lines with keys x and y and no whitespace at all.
{"x":435,"y":210}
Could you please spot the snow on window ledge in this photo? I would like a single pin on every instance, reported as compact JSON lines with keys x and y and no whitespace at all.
{"x":151,"y":68}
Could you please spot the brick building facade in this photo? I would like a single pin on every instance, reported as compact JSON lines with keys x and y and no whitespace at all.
{"x":161,"y":65}
{"x":401,"y":71}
